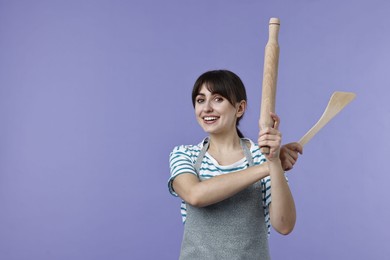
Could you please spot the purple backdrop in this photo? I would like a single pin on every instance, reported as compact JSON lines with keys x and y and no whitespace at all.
{"x":95,"y":94}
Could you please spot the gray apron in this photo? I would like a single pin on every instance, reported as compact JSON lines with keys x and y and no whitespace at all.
{"x":231,"y":229}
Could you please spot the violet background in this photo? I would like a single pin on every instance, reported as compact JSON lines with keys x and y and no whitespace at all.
{"x":95,"y":94}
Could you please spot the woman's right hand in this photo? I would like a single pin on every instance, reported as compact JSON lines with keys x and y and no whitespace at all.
{"x":272,"y":138}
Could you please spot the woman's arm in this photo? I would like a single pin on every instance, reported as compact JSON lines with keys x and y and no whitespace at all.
{"x":282,"y":208}
{"x":203,"y":193}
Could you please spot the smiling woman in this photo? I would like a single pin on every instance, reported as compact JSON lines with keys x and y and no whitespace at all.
{"x":213,"y":94}
{"x":225,"y":181}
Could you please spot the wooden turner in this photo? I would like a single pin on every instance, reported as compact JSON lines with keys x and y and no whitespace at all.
{"x":336,"y":103}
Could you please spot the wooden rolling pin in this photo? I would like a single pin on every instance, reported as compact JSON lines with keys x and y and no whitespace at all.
{"x":270,"y":75}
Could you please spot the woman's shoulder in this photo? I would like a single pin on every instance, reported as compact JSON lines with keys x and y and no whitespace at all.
{"x":258,"y":157}
{"x":188,"y":149}
{"x":254,"y":147}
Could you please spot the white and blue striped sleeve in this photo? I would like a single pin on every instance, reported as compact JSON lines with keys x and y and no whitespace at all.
{"x":266,"y":192}
{"x":180,"y":162}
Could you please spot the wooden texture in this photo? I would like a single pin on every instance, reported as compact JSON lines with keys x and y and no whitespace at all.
{"x":270,"y":75}
{"x":336,"y":103}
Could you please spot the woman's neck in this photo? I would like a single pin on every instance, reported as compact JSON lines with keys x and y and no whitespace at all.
{"x":226,"y":149}
{"x":225,"y":143}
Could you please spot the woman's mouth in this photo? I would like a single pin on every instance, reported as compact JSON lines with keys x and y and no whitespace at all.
{"x":210,"y":119}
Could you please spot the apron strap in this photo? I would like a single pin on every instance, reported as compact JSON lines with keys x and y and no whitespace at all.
{"x":206,"y":143}
{"x":247,"y":153}
{"x":201,"y":155}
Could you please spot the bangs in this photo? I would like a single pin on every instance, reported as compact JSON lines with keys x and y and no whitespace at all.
{"x":216,"y":85}
{"x":218,"y":88}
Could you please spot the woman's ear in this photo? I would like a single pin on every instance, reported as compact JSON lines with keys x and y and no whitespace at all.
{"x":241,"y":106}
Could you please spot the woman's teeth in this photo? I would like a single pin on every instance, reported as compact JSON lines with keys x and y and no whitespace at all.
{"x":210,"y":118}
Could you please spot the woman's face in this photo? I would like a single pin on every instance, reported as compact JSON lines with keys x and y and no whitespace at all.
{"x":214,"y":113}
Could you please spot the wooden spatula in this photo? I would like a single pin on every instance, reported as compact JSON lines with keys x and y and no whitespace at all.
{"x":336,"y":103}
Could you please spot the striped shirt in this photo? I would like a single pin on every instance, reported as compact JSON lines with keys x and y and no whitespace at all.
{"x":182,"y":160}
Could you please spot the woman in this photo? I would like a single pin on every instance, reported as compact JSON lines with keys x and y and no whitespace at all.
{"x":225,"y":181}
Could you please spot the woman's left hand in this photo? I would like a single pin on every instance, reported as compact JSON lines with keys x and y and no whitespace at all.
{"x":272,"y":138}
{"x":289,"y":155}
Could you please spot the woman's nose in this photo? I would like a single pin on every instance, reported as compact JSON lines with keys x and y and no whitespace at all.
{"x":207,"y":107}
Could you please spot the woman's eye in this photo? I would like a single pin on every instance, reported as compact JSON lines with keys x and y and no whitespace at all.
{"x":218,"y":99}
{"x":199,"y":100}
